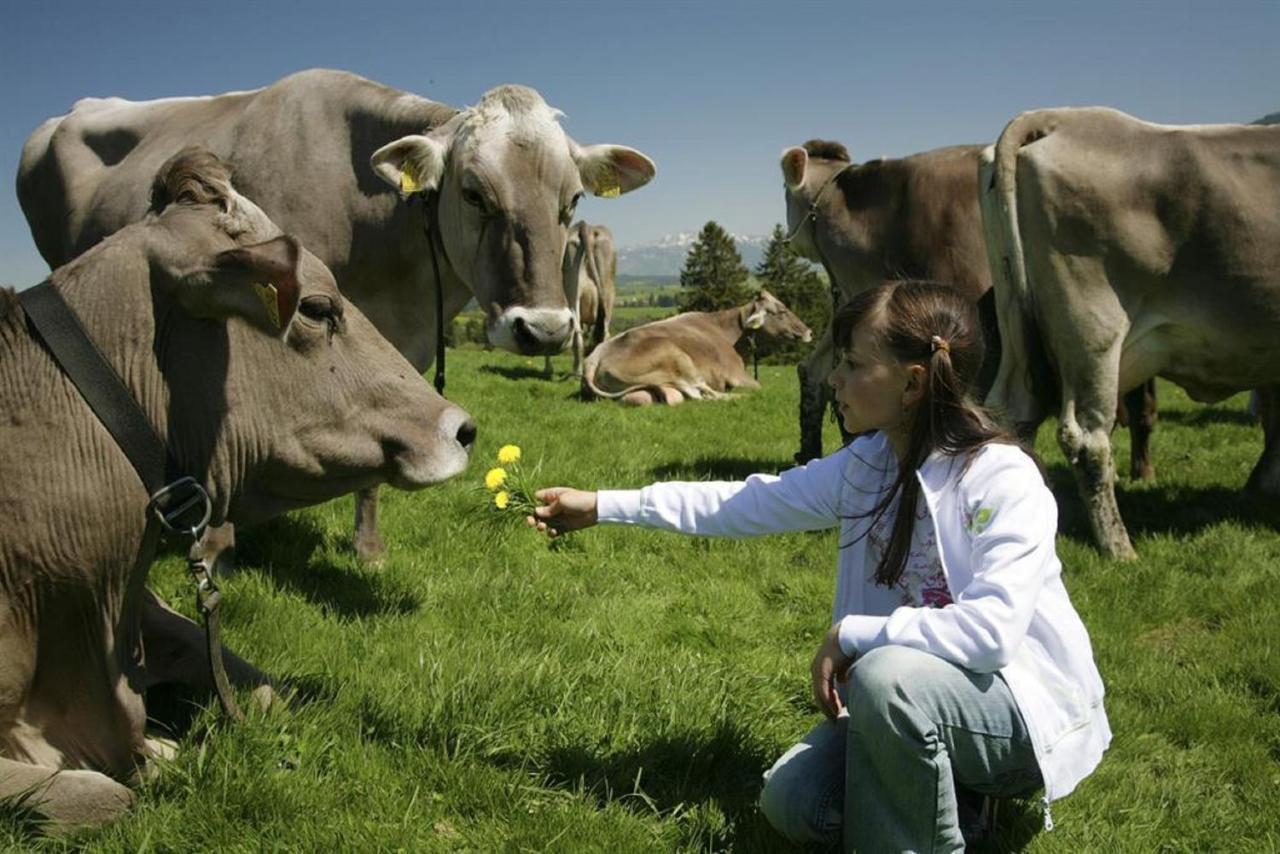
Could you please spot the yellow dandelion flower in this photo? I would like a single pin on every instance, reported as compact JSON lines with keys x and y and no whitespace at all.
{"x":509,"y":454}
{"x":501,"y":499}
{"x":495,"y":478}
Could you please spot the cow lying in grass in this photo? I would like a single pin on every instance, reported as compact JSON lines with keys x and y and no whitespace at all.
{"x":695,"y":355}
{"x":278,"y":403}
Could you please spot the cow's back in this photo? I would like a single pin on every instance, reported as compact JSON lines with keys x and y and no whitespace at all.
{"x":1183,"y":220}
{"x":912,"y":217}
{"x":686,"y":349}
{"x":300,"y":149}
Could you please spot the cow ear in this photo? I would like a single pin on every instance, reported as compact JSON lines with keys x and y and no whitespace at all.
{"x":258,"y":283}
{"x":755,"y":320}
{"x":611,"y":170}
{"x":794,"y":162}
{"x":411,"y":164}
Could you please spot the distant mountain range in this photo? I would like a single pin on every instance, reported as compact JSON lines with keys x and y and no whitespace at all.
{"x":665,"y":256}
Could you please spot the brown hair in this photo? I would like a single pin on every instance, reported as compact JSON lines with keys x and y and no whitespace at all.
{"x":828,"y":149}
{"x":932,"y":325}
{"x":193,"y":176}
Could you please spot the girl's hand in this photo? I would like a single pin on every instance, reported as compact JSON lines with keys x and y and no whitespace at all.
{"x":563,"y":510}
{"x":830,"y":665}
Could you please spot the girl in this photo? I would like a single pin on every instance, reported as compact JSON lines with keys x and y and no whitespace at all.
{"x":955,"y":656}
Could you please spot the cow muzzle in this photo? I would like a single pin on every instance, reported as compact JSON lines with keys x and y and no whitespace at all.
{"x":532,"y":331}
{"x":444,"y":454}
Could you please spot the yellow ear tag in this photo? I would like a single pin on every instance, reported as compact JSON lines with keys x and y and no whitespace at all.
{"x":269,"y":296}
{"x":607,"y":185}
{"x":409,"y":179}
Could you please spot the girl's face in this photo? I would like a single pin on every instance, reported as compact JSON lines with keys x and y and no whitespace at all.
{"x":873,"y":390}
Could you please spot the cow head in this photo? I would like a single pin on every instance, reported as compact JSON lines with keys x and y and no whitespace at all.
{"x":507,"y":180}
{"x":806,"y":170}
{"x":767,"y":315}
{"x":285,"y":393}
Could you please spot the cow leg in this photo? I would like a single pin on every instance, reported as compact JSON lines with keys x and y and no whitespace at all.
{"x":639,"y":397}
{"x":217,"y":548}
{"x":66,"y":800}
{"x":370,"y":548}
{"x":177,"y":652}
{"x":1140,"y":407}
{"x":546,"y":367}
{"x":812,"y":374}
{"x":577,"y":351}
{"x":1265,"y":477}
{"x":1084,"y":434}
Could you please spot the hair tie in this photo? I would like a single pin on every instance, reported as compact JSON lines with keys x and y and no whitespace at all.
{"x":938,"y":343}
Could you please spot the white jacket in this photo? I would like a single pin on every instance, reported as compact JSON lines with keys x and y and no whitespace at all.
{"x":996,"y":523}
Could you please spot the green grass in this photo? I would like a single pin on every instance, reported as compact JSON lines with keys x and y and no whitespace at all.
{"x":624,"y":691}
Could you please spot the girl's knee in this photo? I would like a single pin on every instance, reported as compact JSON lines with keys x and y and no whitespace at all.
{"x":803,"y":793}
{"x":797,"y":810}
{"x":881,"y":681}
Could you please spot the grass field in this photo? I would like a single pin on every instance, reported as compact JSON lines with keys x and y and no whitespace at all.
{"x":623,"y":692}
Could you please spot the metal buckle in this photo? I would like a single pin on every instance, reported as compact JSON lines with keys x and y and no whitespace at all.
{"x":182,"y":506}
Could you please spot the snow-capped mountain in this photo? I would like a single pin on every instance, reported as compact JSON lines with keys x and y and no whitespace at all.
{"x":665,"y":256}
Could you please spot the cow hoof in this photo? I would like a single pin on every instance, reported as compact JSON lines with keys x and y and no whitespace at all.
{"x":162,"y":748}
{"x":73,"y":800}
{"x":672,"y":397}
{"x":371,"y":550}
{"x":1146,"y":473}
{"x":265,"y":698}
{"x":637,"y":398}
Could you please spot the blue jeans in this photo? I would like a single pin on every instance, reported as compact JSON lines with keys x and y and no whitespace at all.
{"x":883,"y":776}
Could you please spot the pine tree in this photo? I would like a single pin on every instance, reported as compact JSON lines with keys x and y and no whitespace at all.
{"x":713,"y":276}
{"x":791,"y":279}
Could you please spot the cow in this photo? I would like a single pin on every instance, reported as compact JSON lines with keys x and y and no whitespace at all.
{"x":592,"y":265}
{"x":496,"y":184}
{"x":1126,"y":251}
{"x":274,"y":405}
{"x":914,"y":217}
{"x":694,"y":355}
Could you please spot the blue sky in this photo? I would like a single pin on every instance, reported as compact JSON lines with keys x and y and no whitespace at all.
{"x":711,"y":91}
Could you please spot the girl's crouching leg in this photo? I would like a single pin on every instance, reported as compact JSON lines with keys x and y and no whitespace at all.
{"x":803,"y":796}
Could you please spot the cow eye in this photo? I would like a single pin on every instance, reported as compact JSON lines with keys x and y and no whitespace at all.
{"x":322,"y":309}
{"x":566,"y":216}
{"x":473,"y":198}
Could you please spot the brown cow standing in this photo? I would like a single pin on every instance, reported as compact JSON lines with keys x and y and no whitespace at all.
{"x":1129,"y":250}
{"x":693,"y":355}
{"x":914,"y":217}
{"x":276,"y":413}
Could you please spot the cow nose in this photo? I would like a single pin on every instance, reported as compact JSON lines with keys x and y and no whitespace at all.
{"x":466,"y":435}
{"x":532,"y":331}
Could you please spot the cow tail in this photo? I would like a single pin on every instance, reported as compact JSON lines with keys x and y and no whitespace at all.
{"x":1023,"y":384}
{"x":593,"y":271}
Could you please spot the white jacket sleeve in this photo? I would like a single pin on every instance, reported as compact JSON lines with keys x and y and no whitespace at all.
{"x":801,"y":499}
{"x":1012,"y":520}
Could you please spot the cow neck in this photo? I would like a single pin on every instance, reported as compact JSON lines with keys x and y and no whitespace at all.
{"x":177,"y":504}
{"x":145,"y":339}
{"x":731,"y":322}
{"x":812,"y":216}
{"x":431,"y":228}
